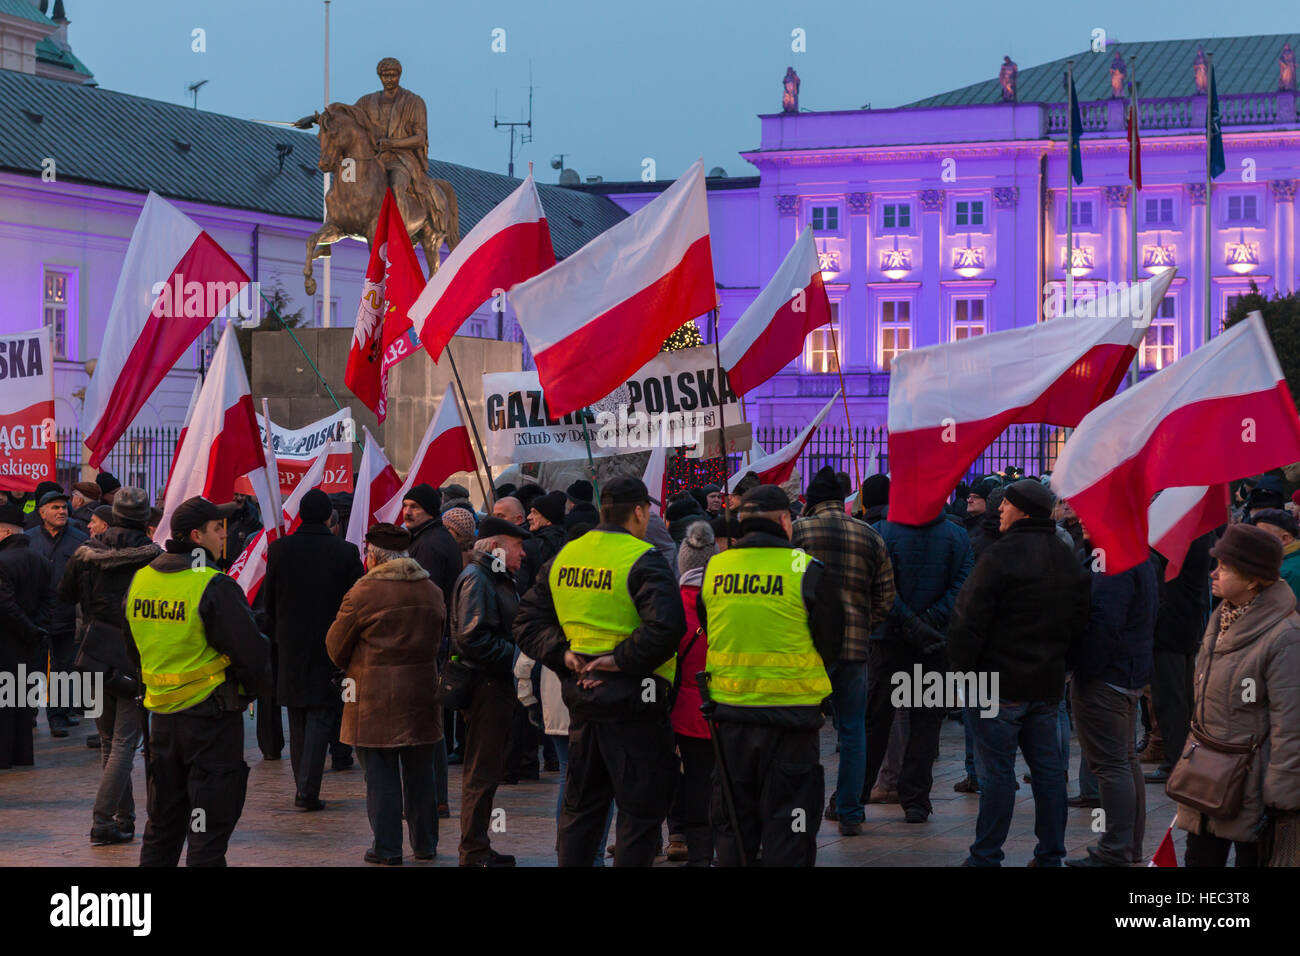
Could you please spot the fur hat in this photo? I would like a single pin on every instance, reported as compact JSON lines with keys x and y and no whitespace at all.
{"x":696,"y":548}
{"x":1250,"y":550}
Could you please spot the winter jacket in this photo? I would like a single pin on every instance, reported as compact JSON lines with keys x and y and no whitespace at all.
{"x":385,"y":639}
{"x":930,"y":562}
{"x":80,"y":519}
{"x":1260,"y":651}
{"x":1021,"y":610}
{"x":307,"y":574}
{"x":242,"y":528}
{"x":582,"y":513}
{"x":1184,"y":601}
{"x":1291,"y":567}
{"x":1117,"y":643}
{"x":686,"y":717}
{"x":653,"y":589}
{"x":555,"y":716}
{"x":100,"y":571}
{"x":438,"y":553}
{"x":26,"y":600}
{"x":482,"y":613}
{"x":228,"y":627}
{"x":857,"y":561}
{"x":550,"y":539}
{"x":57,"y":550}
{"x":657,"y":533}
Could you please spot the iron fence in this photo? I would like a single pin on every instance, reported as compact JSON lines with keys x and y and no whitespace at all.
{"x":142,"y":458}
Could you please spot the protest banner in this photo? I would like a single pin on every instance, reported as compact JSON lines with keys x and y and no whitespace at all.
{"x":27,"y":440}
{"x":296,"y":449}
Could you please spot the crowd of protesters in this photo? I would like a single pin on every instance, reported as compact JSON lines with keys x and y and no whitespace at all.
{"x":447,"y":642}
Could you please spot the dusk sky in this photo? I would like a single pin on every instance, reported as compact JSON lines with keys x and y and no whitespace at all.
{"x":616,"y":81}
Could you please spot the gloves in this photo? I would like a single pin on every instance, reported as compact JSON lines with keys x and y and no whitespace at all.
{"x":535,"y":716}
{"x":919,"y":635}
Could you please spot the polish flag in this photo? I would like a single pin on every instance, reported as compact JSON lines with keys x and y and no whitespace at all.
{"x":174,"y":281}
{"x":377,"y":482}
{"x":382,"y":335}
{"x":598,"y":316}
{"x":655,"y":477}
{"x":444,"y":451}
{"x":1179,"y":516}
{"x":222,"y":441}
{"x":777,"y":467}
{"x":771,"y":332}
{"x":510,"y":244}
{"x":1165,"y":854}
{"x":180,"y":439}
{"x":1220,"y":413}
{"x":947,"y":403}
{"x":249,"y":570}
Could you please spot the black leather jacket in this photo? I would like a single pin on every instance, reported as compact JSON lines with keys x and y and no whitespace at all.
{"x":482,"y":615}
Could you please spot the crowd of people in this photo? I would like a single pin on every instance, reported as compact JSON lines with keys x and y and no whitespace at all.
{"x":674,"y":661}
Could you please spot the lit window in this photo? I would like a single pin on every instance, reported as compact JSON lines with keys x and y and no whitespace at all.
{"x":1082,"y":212}
{"x":967,"y":319}
{"x":1159,"y":345}
{"x":895,"y":330}
{"x":821,"y":349}
{"x":897,"y":215}
{"x":55,"y":309}
{"x":970,"y":212}
{"x":826,"y":218}
{"x":1160,"y":212}
{"x":1242,"y":209}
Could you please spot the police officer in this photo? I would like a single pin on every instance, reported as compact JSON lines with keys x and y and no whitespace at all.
{"x":775,"y":625}
{"x":201,"y":659}
{"x":605,"y":614}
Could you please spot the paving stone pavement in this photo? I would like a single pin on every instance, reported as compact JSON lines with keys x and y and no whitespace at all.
{"x":45,"y":816}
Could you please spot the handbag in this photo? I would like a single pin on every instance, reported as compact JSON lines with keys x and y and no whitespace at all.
{"x":103,"y":650}
{"x":1210,"y":775}
{"x":455,"y":685}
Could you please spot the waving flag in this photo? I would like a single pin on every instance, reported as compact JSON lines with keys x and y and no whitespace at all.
{"x":947,"y":403}
{"x":444,"y":451}
{"x":770,"y":334}
{"x":174,"y":281}
{"x":778,"y":466}
{"x":510,"y":244}
{"x":1214,"y":131}
{"x":1219,"y":414}
{"x":1179,"y":516}
{"x":1076,"y":130}
{"x":1134,"y":147}
{"x":222,"y":442}
{"x":377,"y":482}
{"x":598,"y":316}
{"x":382,"y":336}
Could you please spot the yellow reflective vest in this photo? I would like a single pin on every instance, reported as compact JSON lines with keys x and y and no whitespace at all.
{"x":761,"y":652}
{"x":589,"y":589}
{"x":177,"y":664}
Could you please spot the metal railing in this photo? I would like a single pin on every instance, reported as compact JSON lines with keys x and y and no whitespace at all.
{"x":1179,"y":112}
{"x":142,"y":458}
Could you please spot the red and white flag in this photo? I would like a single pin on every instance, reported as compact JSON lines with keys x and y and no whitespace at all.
{"x":777,"y":467}
{"x":175,"y":280}
{"x":771,"y":332}
{"x":598,"y":316}
{"x":1165,"y":854}
{"x":222,"y":442}
{"x":947,"y":403}
{"x":382,"y":335}
{"x":510,"y":244}
{"x":377,"y":482}
{"x":444,"y":451}
{"x":1179,"y":516}
{"x":249,"y":570}
{"x":655,"y":477}
{"x":1220,"y":413}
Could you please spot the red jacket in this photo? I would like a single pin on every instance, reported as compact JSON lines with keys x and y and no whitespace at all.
{"x":686,"y":717}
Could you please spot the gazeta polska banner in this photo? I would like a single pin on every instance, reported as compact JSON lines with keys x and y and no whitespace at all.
{"x":670,"y":402}
{"x":296,"y":449}
{"x":27,"y":439}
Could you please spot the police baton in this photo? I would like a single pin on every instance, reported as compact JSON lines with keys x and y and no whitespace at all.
{"x":707,"y":708}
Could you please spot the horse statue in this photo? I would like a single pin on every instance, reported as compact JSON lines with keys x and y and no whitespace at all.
{"x":356,"y":194}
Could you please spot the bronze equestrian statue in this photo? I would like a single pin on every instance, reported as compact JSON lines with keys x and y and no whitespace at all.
{"x":383,"y":139}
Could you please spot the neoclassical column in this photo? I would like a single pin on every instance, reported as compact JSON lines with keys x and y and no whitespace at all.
{"x":929,"y":300}
{"x":1196,"y":274}
{"x":1003,"y":296}
{"x":1118,"y":267}
{"x":1284,"y":233}
{"x":858,"y":208}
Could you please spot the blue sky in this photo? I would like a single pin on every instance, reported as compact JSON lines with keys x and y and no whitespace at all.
{"x":616,"y":81}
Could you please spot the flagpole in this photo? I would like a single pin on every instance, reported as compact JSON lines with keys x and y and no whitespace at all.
{"x":722,"y":424}
{"x":1069,"y":184}
{"x":473,"y":426}
{"x":325,"y":285}
{"x":273,"y":480}
{"x":1132,"y":198}
{"x":1209,"y":182}
{"x":844,"y":395}
{"x":591,"y":461}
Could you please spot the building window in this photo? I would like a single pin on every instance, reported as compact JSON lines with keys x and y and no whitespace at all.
{"x":55,"y":308}
{"x":970,"y":212}
{"x":896,"y":215}
{"x":826,"y":219}
{"x":1159,"y":346}
{"x":1082,"y":212}
{"x":1243,"y":209}
{"x":206,"y":344}
{"x":820,"y":352}
{"x":967,"y":318}
{"x":1159,"y":212}
{"x":895,"y":330}
{"x":335,"y":319}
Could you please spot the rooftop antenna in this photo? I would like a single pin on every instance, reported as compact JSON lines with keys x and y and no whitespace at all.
{"x":525,"y":135}
{"x":194,"y":91}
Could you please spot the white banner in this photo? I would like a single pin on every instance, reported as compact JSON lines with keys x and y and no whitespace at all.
{"x":27,"y":439}
{"x":670,"y":402}
{"x":297,"y":448}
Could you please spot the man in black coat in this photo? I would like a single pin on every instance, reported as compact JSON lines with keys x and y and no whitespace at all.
{"x":26,"y":605}
{"x":431,"y":543}
{"x":307,"y":575}
{"x":54,"y":539}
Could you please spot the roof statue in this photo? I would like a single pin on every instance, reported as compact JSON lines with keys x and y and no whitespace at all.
{"x":1007,"y":79}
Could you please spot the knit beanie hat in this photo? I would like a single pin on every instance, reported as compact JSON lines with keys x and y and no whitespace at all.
{"x":1032,"y":497}
{"x":460,"y":521}
{"x":551,"y":506}
{"x":875,"y":491}
{"x":825,"y":486}
{"x":696,"y":548}
{"x":1250,"y":550}
{"x":427,"y":497}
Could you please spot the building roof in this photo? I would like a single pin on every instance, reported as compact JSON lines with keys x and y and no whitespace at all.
{"x":1164,"y":69}
{"x":129,"y":142}
{"x":24,"y":10}
{"x":47,"y":51}
{"x":621,"y":187}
